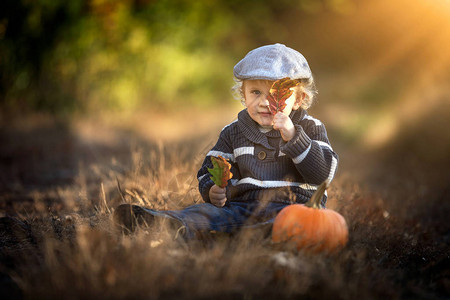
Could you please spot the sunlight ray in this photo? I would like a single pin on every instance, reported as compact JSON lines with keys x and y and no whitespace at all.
{"x":427,"y":92}
{"x":413,"y":35}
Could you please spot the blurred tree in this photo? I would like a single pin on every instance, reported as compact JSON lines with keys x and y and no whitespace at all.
{"x":30,"y":32}
{"x":84,"y":55}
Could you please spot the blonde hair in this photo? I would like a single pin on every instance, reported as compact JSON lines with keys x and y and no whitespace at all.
{"x":306,"y":86}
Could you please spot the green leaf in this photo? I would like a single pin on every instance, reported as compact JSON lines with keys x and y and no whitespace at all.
{"x":220,"y":173}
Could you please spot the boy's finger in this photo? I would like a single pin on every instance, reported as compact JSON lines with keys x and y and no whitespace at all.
{"x":217,"y":188}
{"x":223,"y":193}
{"x":222,"y":202}
{"x":218,"y":192}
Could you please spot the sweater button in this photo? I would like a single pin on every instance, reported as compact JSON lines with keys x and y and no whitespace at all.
{"x":262,"y":155}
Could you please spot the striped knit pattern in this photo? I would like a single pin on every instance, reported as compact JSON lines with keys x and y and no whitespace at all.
{"x":286,"y":172}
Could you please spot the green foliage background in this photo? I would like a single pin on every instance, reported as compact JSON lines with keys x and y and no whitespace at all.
{"x":125,"y":55}
{"x":82,"y":55}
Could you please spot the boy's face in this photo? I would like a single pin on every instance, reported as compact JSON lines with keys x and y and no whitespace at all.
{"x":255,"y":95}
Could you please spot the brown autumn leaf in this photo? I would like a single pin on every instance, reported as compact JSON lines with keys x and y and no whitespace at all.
{"x":279,"y":92}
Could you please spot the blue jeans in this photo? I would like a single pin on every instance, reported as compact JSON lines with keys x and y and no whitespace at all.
{"x":206,"y":217}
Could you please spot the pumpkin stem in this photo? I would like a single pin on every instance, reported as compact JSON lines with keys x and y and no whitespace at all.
{"x":314,"y":202}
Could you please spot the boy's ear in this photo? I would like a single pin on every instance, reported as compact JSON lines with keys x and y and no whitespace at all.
{"x":298,"y":101}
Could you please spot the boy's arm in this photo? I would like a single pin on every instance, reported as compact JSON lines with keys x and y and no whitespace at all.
{"x":223,"y":148}
{"x":311,"y":152}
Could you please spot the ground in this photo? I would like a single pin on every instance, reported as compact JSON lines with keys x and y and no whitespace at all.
{"x":60,"y":180}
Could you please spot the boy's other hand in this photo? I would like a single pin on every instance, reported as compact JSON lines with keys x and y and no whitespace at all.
{"x":217,"y":196}
{"x":284,"y":124}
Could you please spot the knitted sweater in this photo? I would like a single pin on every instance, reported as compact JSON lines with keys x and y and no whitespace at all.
{"x":265,"y":167}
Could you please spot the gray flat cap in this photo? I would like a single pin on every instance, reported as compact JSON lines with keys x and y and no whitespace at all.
{"x":272,"y":62}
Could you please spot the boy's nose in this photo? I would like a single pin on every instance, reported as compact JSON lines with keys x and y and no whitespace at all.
{"x":264,"y":101}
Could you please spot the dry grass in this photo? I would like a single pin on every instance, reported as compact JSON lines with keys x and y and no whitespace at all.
{"x":60,"y":181}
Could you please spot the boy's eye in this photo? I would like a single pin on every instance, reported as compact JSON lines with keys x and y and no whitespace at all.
{"x":256,"y":92}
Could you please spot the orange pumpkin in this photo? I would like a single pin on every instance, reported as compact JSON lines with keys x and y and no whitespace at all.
{"x":309,"y":227}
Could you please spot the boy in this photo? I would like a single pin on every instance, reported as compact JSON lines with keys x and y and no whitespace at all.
{"x":276,"y":160}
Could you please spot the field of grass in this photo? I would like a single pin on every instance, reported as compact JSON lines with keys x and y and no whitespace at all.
{"x":59,"y":186}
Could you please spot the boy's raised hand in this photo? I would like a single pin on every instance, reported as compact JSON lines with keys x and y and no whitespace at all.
{"x":217,"y":196}
{"x":284,"y":124}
